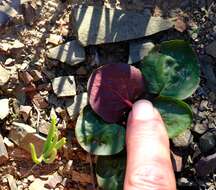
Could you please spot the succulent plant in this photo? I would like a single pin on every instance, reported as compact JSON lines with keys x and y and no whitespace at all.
{"x":51,"y":145}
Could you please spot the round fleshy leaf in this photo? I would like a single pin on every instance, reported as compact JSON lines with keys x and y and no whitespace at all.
{"x":173,"y":71}
{"x":110,"y":172}
{"x":176,"y":115}
{"x":98,"y":137}
{"x":113,"y":88}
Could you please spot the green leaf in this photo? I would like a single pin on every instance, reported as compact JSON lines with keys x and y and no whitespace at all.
{"x":110,"y":172}
{"x":98,"y":137}
{"x":173,"y":71}
{"x":34,"y":155}
{"x":51,"y":133}
{"x":176,"y":115}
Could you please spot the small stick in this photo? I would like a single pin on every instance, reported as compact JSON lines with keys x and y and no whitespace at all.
{"x":38,"y":117}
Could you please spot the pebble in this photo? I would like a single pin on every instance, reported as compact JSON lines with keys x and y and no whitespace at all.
{"x":71,"y":53}
{"x":53,"y":180}
{"x":75,"y":105}
{"x":4,"y":77}
{"x":64,"y":86}
{"x":4,"y":108}
{"x":183,"y":140}
{"x":22,"y":134}
{"x":3,"y":151}
{"x":207,"y":142}
{"x":200,"y":128}
{"x":211,"y":49}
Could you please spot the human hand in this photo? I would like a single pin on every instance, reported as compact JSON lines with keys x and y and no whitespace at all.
{"x":149,"y":165}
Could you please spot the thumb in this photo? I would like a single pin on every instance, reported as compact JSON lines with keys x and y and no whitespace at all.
{"x":148,"y":157}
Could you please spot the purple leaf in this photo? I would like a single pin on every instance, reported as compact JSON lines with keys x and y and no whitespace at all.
{"x":113,"y":88}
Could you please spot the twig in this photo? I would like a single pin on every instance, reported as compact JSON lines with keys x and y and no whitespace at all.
{"x":38,"y":117}
{"x":92,"y":171}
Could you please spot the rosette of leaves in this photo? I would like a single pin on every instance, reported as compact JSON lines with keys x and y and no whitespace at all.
{"x":51,"y":145}
{"x":170,"y":73}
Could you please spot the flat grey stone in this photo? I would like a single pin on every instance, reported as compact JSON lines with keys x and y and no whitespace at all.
{"x":138,"y":50}
{"x":75,"y":105}
{"x":22,"y":134}
{"x":183,"y":140}
{"x":4,"y":76}
{"x":99,"y":25}
{"x":64,"y":86}
{"x":211,"y":49}
{"x":4,"y":108}
{"x":71,"y":53}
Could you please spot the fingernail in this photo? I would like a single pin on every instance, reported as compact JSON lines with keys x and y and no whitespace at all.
{"x":143,"y":110}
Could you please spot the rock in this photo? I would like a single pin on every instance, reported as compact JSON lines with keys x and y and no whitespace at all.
{"x":64,"y":86}
{"x":183,"y":140}
{"x":4,"y":108}
{"x":99,"y":25}
{"x":206,"y":165}
{"x":44,"y":127}
{"x":203,"y":105}
{"x":76,"y":104}
{"x":39,"y":101}
{"x":54,"y":39}
{"x":25,"y":112}
{"x":23,"y":134}
{"x":9,"y":62}
{"x":53,"y":180}
{"x":138,"y":50}
{"x":31,"y":178}
{"x":176,"y":162}
{"x":9,"y":45}
{"x":211,"y":49}
{"x":25,"y":77}
{"x":12,"y":182}
{"x":8,"y":143}
{"x":200,"y":128}
{"x":4,"y":77}
{"x":45,"y":86}
{"x":3,"y":151}
{"x":71,"y":53}
{"x":37,"y":184}
{"x":20,"y":154}
{"x":37,"y":75}
{"x":207,"y":142}
{"x":184,"y":182}
{"x":207,"y":66}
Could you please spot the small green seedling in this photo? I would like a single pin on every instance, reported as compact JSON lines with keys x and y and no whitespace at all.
{"x":51,"y":145}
